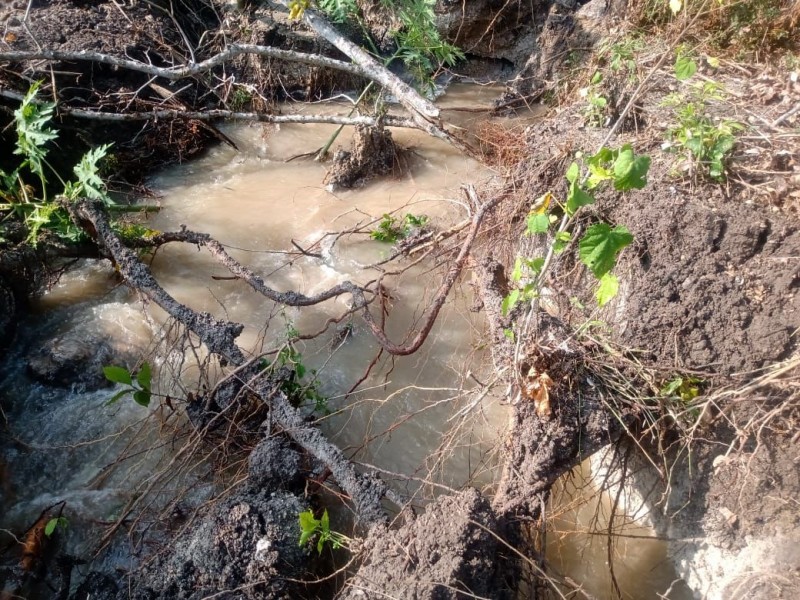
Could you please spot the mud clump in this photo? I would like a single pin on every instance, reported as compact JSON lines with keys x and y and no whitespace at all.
{"x":442,"y":554}
{"x":248,"y":543}
{"x":371,"y":154}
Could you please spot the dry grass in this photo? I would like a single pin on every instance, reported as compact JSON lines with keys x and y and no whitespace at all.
{"x":745,"y":29}
{"x":502,"y":145}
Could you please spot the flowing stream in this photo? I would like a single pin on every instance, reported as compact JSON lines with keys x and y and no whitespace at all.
{"x":416,"y":416}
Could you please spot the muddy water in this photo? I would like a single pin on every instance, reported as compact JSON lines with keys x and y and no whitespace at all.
{"x":401,"y":419}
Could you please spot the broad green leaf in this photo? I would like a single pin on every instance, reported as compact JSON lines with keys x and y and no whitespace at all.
{"x":599,"y":167}
{"x":119,"y":395}
{"x":320,"y":544}
{"x":675,"y":6}
{"x":572,"y":173}
{"x":143,"y":377}
{"x":600,"y":245}
{"x":630,"y":170}
{"x":118,"y":375}
{"x":608,"y":288}
{"x":597,"y":78}
{"x":304,"y":537}
{"x":142,"y":398}
{"x":536,"y":264}
{"x":50,"y":527}
{"x":577,"y":197}
{"x":308,"y":522}
{"x":509,"y":334}
{"x":685,"y":67}
{"x":539,"y":223}
{"x":509,"y":302}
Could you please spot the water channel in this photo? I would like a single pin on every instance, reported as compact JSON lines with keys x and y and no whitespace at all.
{"x":63,"y":444}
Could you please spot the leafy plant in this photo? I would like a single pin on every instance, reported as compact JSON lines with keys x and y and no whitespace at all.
{"x":685,"y":389}
{"x":293,"y":381}
{"x":321,"y":528}
{"x":32,"y":120}
{"x":600,"y":245}
{"x":595,"y":110}
{"x":391,"y":229}
{"x":55,"y":523}
{"x":420,"y":46}
{"x":697,"y":138}
{"x":339,"y":11}
{"x":139,"y":386}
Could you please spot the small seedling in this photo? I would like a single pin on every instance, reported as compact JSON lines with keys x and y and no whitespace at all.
{"x":391,"y":230}
{"x":55,"y":523}
{"x":697,"y":138}
{"x":310,"y":527}
{"x":595,"y":110}
{"x":138,"y":387}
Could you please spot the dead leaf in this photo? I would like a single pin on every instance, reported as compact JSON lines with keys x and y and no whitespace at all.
{"x":537,"y":388}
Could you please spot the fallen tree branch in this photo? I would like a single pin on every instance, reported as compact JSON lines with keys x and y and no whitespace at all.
{"x":182,"y":72}
{"x":405,"y":94}
{"x":219,"y":336}
{"x":360,"y":302}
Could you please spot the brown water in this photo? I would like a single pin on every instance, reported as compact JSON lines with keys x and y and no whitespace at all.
{"x":423,"y":416}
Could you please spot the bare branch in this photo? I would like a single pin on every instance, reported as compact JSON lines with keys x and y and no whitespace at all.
{"x":404,"y":93}
{"x":219,"y":336}
{"x":190,"y":70}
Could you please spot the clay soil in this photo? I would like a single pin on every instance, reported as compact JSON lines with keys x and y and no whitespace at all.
{"x":709,"y":289}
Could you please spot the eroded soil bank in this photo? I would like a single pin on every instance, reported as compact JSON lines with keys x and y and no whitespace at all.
{"x":708,"y":294}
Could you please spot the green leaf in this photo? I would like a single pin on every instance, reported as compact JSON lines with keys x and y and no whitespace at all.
{"x":538,"y":224}
{"x":572,"y":173}
{"x":685,"y":67}
{"x":562,"y":239}
{"x":325,"y":522}
{"x":536,"y":264}
{"x":143,"y":377}
{"x":597,"y":78}
{"x":516,"y":273}
{"x":308,"y":522}
{"x":577,"y":197}
{"x":304,"y":537}
{"x":509,"y":334}
{"x":320,"y":544}
{"x":608,"y":288}
{"x":599,"y":170}
{"x":50,"y":527}
{"x":118,"y":375}
{"x":119,"y":395}
{"x":630,"y":170}
{"x":509,"y":302}
{"x":600,"y":245}
{"x":142,"y":398}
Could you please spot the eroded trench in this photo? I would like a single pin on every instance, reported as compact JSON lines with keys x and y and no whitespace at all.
{"x":427,"y":422}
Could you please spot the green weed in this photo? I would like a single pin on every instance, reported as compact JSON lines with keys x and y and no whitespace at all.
{"x":321,"y":528}
{"x":391,"y":229}
{"x":699,"y":140}
{"x":600,"y":245}
{"x":138,"y":385}
{"x":32,"y":121}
